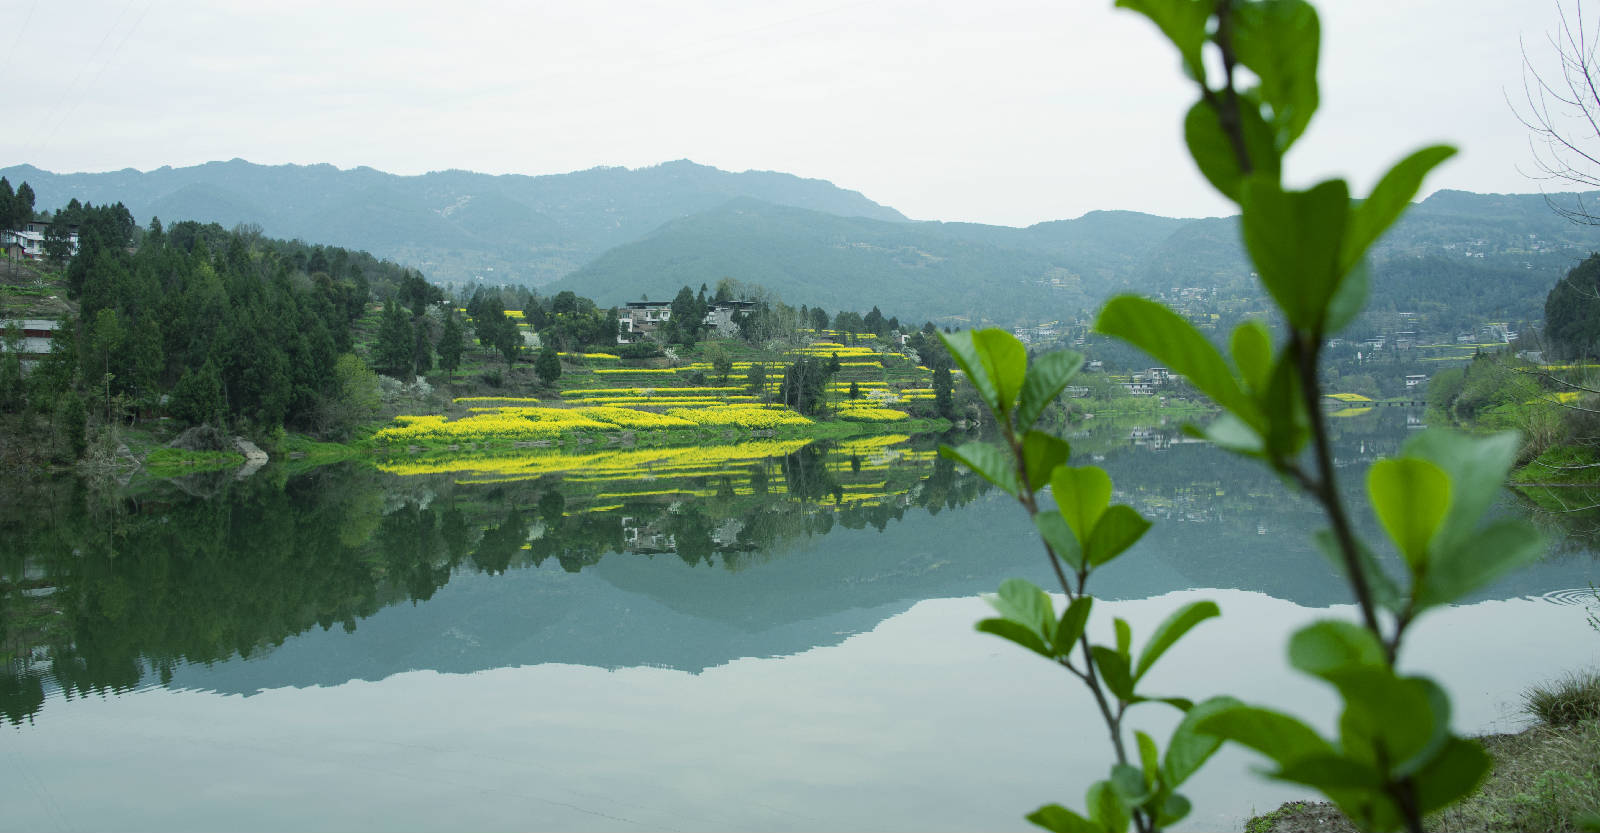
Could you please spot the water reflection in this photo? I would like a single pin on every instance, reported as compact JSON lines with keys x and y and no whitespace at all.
{"x":111,"y":592}
{"x":614,"y":557}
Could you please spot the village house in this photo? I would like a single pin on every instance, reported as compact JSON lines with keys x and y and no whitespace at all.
{"x":641,"y":318}
{"x":36,"y":335}
{"x":27,"y":241}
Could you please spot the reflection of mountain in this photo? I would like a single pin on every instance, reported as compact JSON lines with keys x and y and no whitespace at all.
{"x":519,"y":573}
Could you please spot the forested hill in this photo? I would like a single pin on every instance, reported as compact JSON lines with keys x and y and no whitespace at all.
{"x":453,"y":225}
{"x":828,"y":261}
{"x":1458,"y":259}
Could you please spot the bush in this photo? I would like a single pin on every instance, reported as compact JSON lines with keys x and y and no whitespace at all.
{"x":640,"y":350}
{"x":1567,"y":701}
{"x":492,"y":378}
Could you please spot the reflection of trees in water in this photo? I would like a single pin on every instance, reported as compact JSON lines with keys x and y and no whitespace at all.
{"x":88,"y":606}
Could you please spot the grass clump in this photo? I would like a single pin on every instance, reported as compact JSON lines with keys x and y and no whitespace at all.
{"x":1568,"y":701}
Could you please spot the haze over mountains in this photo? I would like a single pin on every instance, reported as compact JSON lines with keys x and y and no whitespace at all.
{"x":616,"y":235}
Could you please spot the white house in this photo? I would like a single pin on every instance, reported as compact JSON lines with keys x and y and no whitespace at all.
{"x":30,"y":237}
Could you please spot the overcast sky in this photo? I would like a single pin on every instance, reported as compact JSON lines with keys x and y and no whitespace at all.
{"x":999,"y":112}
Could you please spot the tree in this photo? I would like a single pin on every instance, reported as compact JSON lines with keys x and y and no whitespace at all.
{"x":547,"y":366}
{"x":721,"y":363}
{"x":22,"y":204}
{"x":449,"y":346}
{"x":1561,"y":108}
{"x":756,"y":379}
{"x":508,"y":340}
{"x":422,"y":350}
{"x":197,"y":398}
{"x":8,"y":205}
{"x":943,"y":392}
{"x":1572,"y":311}
{"x":396,"y":344}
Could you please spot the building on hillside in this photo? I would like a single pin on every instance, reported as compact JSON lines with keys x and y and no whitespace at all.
{"x":641,"y":318}
{"x":29,"y":238}
{"x":720,"y":316}
{"x":1415,"y":380}
{"x":36,"y":335}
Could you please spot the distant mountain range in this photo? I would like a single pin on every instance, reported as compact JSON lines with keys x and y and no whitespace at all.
{"x":616,"y":235}
{"x":453,"y":225}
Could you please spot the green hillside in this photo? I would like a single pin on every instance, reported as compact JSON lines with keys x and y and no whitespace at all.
{"x":457,"y":226}
{"x":924,"y":271}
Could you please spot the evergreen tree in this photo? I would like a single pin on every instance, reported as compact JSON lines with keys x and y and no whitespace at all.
{"x":943,"y":393}
{"x":756,"y":379}
{"x":548,"y":366}
{"x":393,"y":353}
{"x":449,"y":346}
{"x":197,"y":398}
{"x":422,"y":351}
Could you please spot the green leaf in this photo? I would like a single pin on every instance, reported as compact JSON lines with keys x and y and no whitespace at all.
{"x":1477,"y":467}
{"x":1173,"y":810}
{"x":1041,"y":453}
{"x":1171,"y":630}
{"x":1251,"y":346}
{"x":1149,"y":758}
{"x":1288,"y":425}
{"x":1106,"y":807}
{"x":1231,"y":433}
{"x":1389,"y":199}
{"x":1018,"y":633}
{"x":1410,"y":497}
{"x":1189,"y":748}
{"x":1496,"y":550}
{"x":1385,"y":593}
{"x":1130,"y":784}
{"x":1059,"y":819}
{"x":989,"y":462}
{"x":1113,"y":669}
{"x":1177,"y":344}
{"x":1329,"y":646}
{"x":1274,"y":734}
{"x":1124,"y":638}
{"x":1183,"y":22}
{"x":1279,"y":42}
{"x":1082,"y":495}
{"x":964,"y":349}
{"x":1294,"y":239}
{"x":1350,"y":298}
{"x":1006,"y":361}
{"x":1054,"y":530}
{"x":1455,"y":772}
{"x":1388,"y":721}
{"x":1119,"y":528}
{"x":1023,"y":601}
{"x":1330,"y":772}
{"x":1214,"y":153}
{"x":1046,"y":378}
{"x":1073,"y":619}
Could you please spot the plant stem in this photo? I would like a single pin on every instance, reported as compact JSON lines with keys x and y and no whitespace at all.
{"x":1307,"y":346}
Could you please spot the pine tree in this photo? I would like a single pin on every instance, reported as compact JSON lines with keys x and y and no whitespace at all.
{"x":393,"y":353}
{"x":449,"y":346}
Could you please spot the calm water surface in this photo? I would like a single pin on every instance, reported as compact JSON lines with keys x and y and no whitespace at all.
{"x":757,"y":636}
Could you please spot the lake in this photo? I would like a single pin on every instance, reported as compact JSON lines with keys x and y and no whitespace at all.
{"x":760,"y":635}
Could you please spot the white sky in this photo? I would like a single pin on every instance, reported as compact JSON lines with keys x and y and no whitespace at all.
{"x":1005,"y":111}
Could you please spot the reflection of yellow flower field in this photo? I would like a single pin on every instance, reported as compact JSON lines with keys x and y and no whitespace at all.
{"x":740,"y":416}
{"x":543,"y":423}
{"x":610,"y":464}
